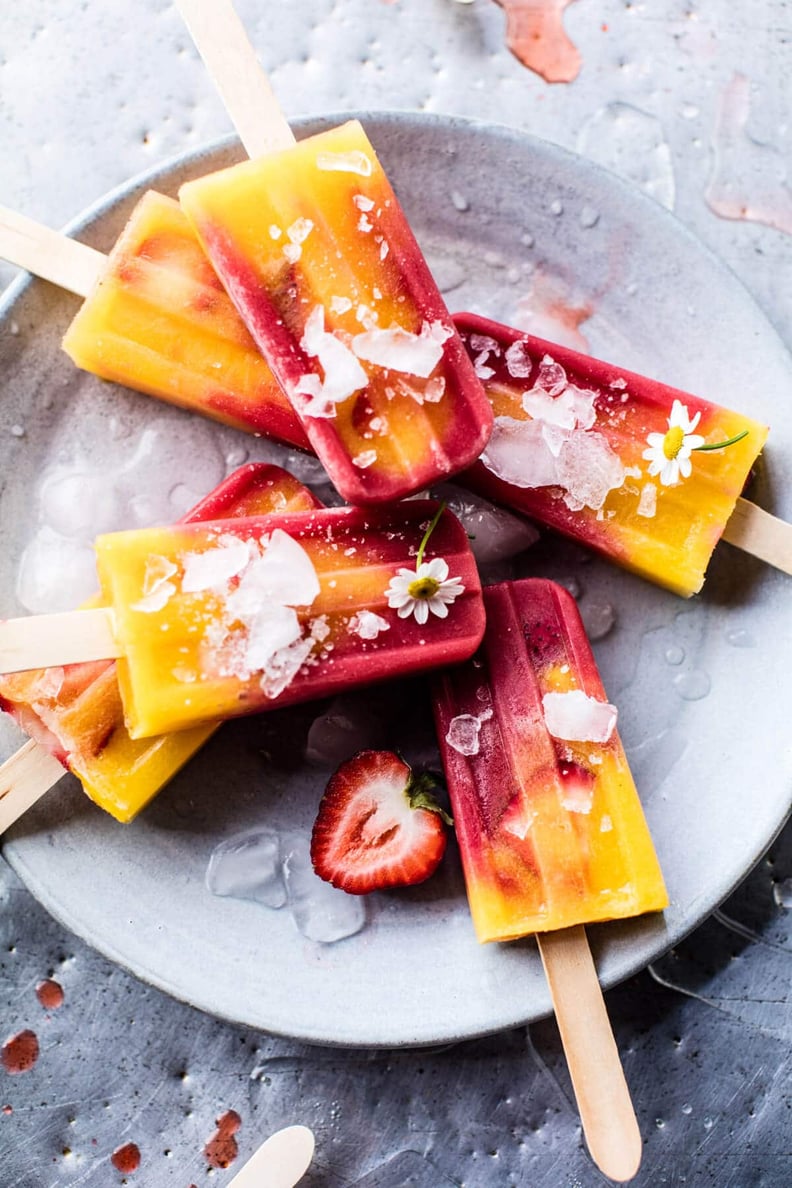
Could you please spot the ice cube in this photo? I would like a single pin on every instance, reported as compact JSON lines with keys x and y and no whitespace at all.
{"x":320,"y":911}
{"x":248,"y":866}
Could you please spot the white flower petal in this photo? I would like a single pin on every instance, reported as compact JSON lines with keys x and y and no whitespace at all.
{"x":694,"y":441}
{"x":685,"y":468}
{"x":437,"y":607}
{"x":405,"y":611}
{"x":421,"y":611}
{"x":437,"y":568}
{"x":655,"y":440}
{"x":670,"y":473}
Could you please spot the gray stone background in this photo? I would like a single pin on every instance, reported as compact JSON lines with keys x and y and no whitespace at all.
{"x":689,"y":101}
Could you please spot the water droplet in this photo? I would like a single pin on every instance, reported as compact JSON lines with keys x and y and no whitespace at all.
{"x":589,"y":217}
{"x":14,"y":328}
{"x":556,"y":207}
{"x":692,"y":686}
{"x":782,"y":894}
{"x":660,"y":1123}
{"x":459,"y":201}
{"x":526,"y":239}
{"x":632,"y":143}
{"x":740,"y":638}
{"x":687,"y":1108}
{"x":598,"y":619}
{"x":17,"y":430}
{"x":674,"y":655}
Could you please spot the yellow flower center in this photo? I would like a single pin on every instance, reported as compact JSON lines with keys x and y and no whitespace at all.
{"x":672,"y":442}
{"x":425,"y":588}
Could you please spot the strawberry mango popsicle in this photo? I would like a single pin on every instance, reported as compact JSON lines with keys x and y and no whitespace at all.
{"x":549,"y":823}
{"x":75,"y":712}
{"x":317,"y":255}
{"x":158,"y":320}
{"x":646,"y":474}
{"x":230,"y":617}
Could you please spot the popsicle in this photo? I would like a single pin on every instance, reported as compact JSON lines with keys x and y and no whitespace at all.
{"x":156,"y":318}
{"x":646,"y":474}
{"x":550,"y":827}
{"x":75,"y":716}
{"x":218,"y":619}
{"x":316,"y":253}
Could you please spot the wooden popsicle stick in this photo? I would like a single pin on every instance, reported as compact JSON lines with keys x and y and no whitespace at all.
{"x":762,"y":535}
{"x":280,"y":1162}
{"x":41,"y":641}
{"x":606,"y":1110}
{"x":49,"y":254}
{"x":222,"y":42}
{"x":24,"y":778}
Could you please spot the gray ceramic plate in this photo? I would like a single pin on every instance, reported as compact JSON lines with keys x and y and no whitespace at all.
{"x":703,"y":686}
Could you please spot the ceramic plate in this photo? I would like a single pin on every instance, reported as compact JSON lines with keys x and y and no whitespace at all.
{"x":509,"y":224}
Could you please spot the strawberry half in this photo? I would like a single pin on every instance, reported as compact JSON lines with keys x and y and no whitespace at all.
{"x":378,"y":825}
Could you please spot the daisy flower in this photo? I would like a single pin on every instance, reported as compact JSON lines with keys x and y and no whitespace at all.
{"x":425,"y":588}
{"x":669,"y":453}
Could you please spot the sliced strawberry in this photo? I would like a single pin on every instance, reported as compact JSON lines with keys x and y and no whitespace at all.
{"x":378,"y":825}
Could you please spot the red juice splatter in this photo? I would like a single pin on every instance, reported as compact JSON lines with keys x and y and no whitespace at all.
{"x":535,"y":34}
{"x":7,"y":1109}
{"x":126,"y":1159}
{"x":222,"y":1147}
{"x":20,"y":1052}
{"x":50,"y":994}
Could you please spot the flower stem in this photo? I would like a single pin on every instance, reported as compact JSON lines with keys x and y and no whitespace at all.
{"x":721,"y":445}
{"x":427,"y":534}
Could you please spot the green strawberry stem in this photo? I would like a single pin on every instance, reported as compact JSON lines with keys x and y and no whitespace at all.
{"x":420,"y":790}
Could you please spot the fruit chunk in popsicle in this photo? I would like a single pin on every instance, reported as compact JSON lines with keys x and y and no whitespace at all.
{"x":549,"y":823}
{"x":606,"y":456}
{"x":221,"y":619}
{"x":159,"y":321}
{"x":316,"y":253}
{"x":75,"y":712}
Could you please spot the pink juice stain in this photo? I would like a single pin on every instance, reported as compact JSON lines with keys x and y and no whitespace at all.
{"x":222,"y":1149}
{"x":20,"y":1052}
{"x":50,"y":994}
{"x":126,"y":1159}
{"x":749,"y":180}
{"x":550,"y":311}
{"x":536,"y":36}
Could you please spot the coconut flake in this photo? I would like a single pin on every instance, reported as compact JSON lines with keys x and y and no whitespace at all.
{"x":282,"y":667}
{"x":365,"y":459}
{"x":273,"y":628}
{"x":647,"y":504}
{"x":575,"y":717}
{"x":399,"y":350}
{"x":362,"y":202}
{"x":367,"y":624}
{"x":352,"y":162}
{"x":343,"y":375}
{"x":275,"y":232}
{"x":340,"y":305}
{"x":292,"y":252}
{"x":213,"y":568}
{"x":464,"y":730}
{"x":284,"y":574}
{"x":155,"y":601}
{"x":384,"y":249}
{"x":300,"y":230}
{"x":365,"y":224}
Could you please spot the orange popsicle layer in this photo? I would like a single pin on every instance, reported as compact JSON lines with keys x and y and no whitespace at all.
{"x":75,"y":712}
{"x":316,"y":253}
{"x":549,"y":823}
{"x":160,"y":322}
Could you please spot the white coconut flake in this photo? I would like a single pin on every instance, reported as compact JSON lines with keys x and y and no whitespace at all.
{"x":647,"y":504}
{"x":572,"y":408}
{"x":484,"y":342}
{"x":340,"y":305}
{"x":367,"y":624}
{"x":273,"y":628}
{"x":367,"y":316}
{"x":365,"y":459}
{"x":384,"y":249}
{"x":284,"y":574}
{"x":282,"y":667}
{"x":606,"y":824}
{"x":619,"y":384}
{"x":365,"y":224}
{"x":343,"y":375}
{"x":275,"y":232}
{"x":362,"y":202}
{"x":352,"y":162}
{"x":575,"y":717}
{"x":518,"y":361}
{"x":300,"y":230}
{"x":434,"y":390}
{"x":212,"y":569}
{"x":399,"y":350}
{"x":155,"y":601}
